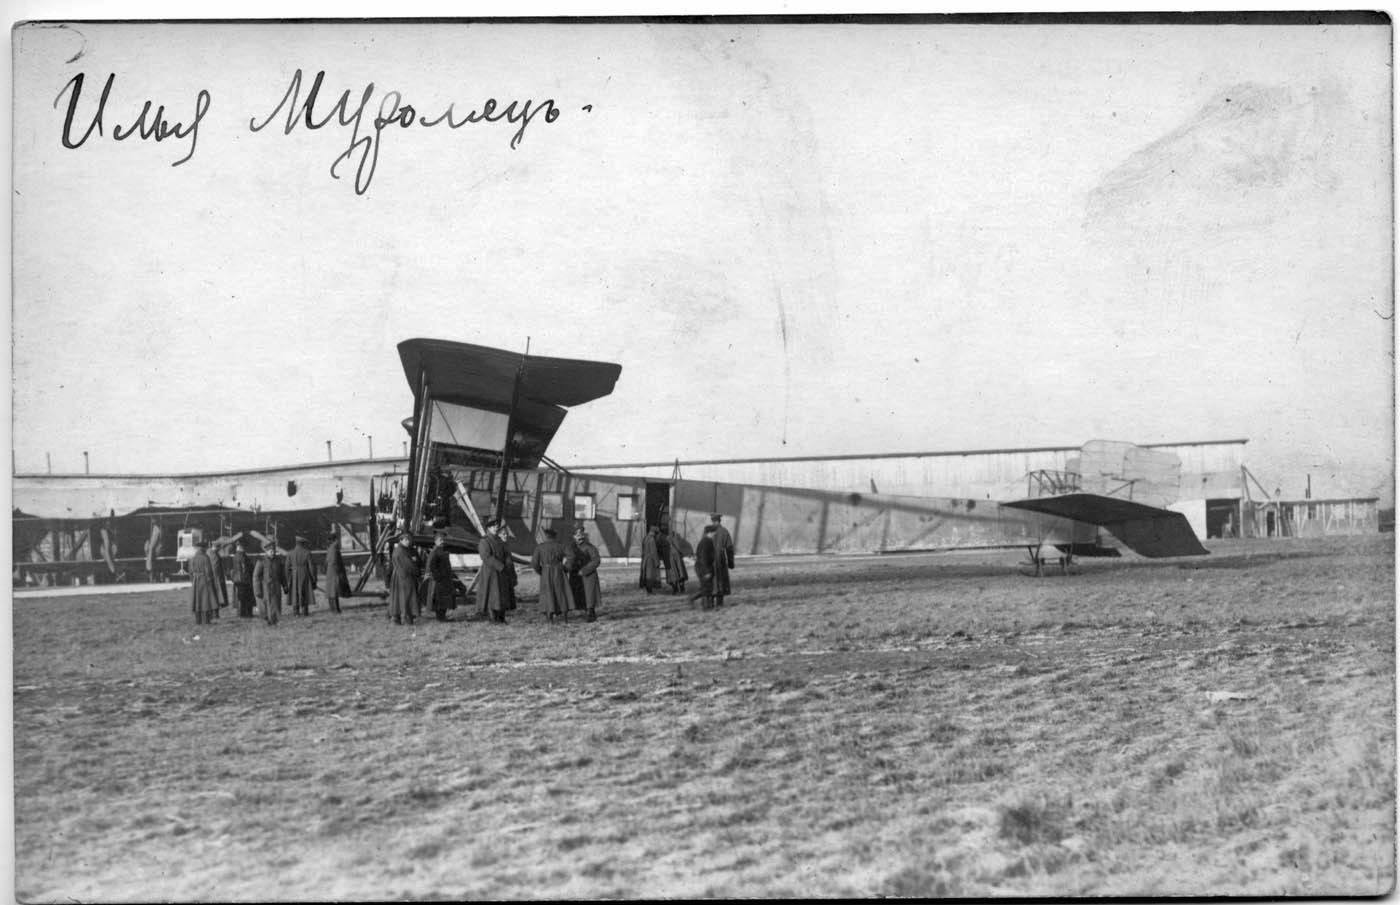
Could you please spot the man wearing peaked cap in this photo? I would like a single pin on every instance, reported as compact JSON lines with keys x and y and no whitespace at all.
{"x":490,"y":582}
{"x":588,"y":590}
{"x":301,"y":573}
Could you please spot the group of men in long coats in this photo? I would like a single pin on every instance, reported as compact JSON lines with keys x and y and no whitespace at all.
{"x":662,"y":549}
{"x":568,"y":575}
{"x":714,"y":557}
{"x":495,"y":583}
{"x":581,"y":562}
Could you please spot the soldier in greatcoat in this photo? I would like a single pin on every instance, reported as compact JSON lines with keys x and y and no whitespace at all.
{"x":705,"y":569}
{"x":204,"y":598}
{"x":676,"y":575}
{"x":440,"y":578}
{"x":243,"y":581}
{"x":586,"y":564}
{"x":509,"y":578}
{"x":572,"y":561}
{"x":220,"y":582}
{"x":651,"y":562}
{"x":301,"y":573}
{"x":548,"y":562}
{"x":337,"y":581}
{"x":490,"y":583}
{"x":270,"y":582}
{"x":724,"y":558}
{"x":403,"y":582}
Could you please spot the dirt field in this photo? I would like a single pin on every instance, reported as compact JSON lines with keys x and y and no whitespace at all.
{"x":906,"y":726}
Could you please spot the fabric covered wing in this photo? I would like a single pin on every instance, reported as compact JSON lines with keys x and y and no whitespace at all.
{"x":484,"y":377}
{"x":1145,"y":530}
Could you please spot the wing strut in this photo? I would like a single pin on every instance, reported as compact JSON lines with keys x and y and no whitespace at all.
{"x":510,"y":429}
{"x":465,"y":500}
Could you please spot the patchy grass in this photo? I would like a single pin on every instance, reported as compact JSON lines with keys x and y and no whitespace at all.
{"x":906,"y":726}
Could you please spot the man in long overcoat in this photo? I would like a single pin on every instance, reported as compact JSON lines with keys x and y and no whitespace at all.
{"x":548,"y":562}
{"x":220,"y":582}
{"x":674,"y":558}
{"x":651,"y":561}
{"x":586,"y":564}
{"x":572,"y":561}
{"x":337,"y":582}
{"x":204,"y":599}
{"x":724,"y":558}
{"x":243,"y":581}
{"x":301,"y":573}
{"x":403,"y":583}
{"x":270,"y":582}
{"x":705,"y":568}
{"x":440,"y":578}
{"x":490,"y":582}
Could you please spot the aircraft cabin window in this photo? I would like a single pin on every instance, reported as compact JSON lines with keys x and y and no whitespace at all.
{"x":583,"y":506}
{"x":515,"y":504}
{"x":551,"y":505}
{"x":626,"y":507}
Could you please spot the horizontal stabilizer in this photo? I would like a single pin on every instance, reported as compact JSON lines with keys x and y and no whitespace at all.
{"x":1146,"y":530}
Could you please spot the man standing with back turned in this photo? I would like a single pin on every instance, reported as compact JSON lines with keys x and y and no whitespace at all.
{"x":337,"y":581}
{"x":302,"y":574}
{"x":548,"y":561}
{"x":724,"y":558}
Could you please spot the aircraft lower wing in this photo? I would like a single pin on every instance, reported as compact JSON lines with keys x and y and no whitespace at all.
{"x":1145,"y":530}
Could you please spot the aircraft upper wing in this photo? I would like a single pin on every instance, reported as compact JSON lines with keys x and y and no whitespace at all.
{"x":485,"y":377}
{"x":1144,"y":529}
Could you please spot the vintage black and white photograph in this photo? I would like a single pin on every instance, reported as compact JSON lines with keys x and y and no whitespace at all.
{"x":730,"y":456}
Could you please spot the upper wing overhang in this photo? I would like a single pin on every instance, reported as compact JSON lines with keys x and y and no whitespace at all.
{"x":483,"y":377}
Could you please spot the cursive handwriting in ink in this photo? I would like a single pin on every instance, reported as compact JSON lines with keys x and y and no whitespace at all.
{"x":148,"y":124}
{"x":366,"y":136}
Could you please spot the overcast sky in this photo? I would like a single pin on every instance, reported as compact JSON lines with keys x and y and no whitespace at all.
{"x":795,"y":239}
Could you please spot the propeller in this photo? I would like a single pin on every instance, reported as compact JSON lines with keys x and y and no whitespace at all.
{"x":265,"y":540}
{"x":227,"y":540}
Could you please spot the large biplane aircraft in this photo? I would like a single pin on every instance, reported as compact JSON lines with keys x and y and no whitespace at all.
{"x":482,"y":423}
{"x":483,"y":420}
